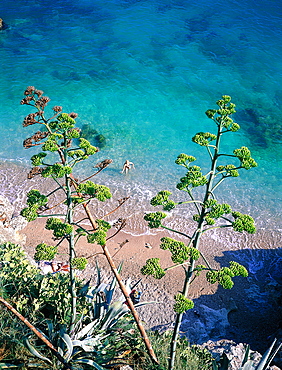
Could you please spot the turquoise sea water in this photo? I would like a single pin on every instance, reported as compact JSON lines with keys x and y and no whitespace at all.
{"x":143,"y":73}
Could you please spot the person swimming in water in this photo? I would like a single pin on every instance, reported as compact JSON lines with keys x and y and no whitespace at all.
{"x":127,"y":166}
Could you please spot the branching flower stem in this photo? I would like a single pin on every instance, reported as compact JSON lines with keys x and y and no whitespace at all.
{"x":196,"y":243}
{"x":216,"y":227}
{"x":175,"y":231}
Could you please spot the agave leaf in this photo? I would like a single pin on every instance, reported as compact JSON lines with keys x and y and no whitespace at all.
{"x":98,"y":273}
{"x":268,"y":356}
{"x":61,"y":352}
{"x":246,"y":356}
{"x":128,"y":290}
{"x":77,"y":327}
{"x":98,"y":309}
{"x":101,"y":288}
{"x":84,"y":290}
{"x":67,"y":340}
{"x":144,"y":303}
{"x":93,"y":291}
{"x":86,"y":329}
{"x":50,"y":329}
{"x":98,"y":305}
{"x":110,"y":292}
{"x":275,"y":352}
{"x":116,"y":311}
{"x":89,"y":362}
{"x":248,"y":365}
{"x":214,"y":365}
{"x":6,"y":365}
{"x":35,"y":352}
{"x":89,"y":344}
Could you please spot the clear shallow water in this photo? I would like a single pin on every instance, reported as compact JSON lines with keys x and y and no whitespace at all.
{"x":143,"y":73}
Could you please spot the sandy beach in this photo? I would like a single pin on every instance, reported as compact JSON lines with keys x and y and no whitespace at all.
{"x":251,"y":321}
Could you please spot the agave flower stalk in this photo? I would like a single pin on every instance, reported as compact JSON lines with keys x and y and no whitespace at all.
{"x":59,"y":138}
{"x":208,"y":213}
{"x":196,"y":243}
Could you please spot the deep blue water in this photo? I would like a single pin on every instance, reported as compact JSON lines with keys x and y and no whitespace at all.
{"x":143,"y":73}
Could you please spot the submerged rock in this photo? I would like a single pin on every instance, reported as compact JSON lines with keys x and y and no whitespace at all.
{"x":3,"y":25}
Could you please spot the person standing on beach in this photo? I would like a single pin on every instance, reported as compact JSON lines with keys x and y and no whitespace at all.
{"x":127,"y":166}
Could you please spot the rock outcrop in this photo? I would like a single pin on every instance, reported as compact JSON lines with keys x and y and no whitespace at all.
{"x":206,"y":323}
{"x":10,"y":223}
{"x":235,"y":353}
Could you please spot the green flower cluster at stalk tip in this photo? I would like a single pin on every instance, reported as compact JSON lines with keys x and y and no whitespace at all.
{"x":182,"y":303}
{"x":152,"y":267}
{"x":203,"y":138}
{"x":45,"y":252}
{"x":100,"y":235}
{"x":64,"y":121}
{"x":35,"y":197}
{"x":100,"y":192}
{"x":52,"y":144}
{"x":243,"y":223}
{"x":237,"y":269}
{"x":79,"y":263}
{"x":77,"y":153}
{"x":184,"y":159}
{"x":229,"y":169}
{"x":59,"y":228}
{"x":87,"y":147}
{"x":221,"y":115}
{"x":244,"y":156}
{"x":225,"y":274}
{"x":30,"y":213}
{"x":154,"y":219}
{"x":179,"y":251}
{"x":193,"y":178}
{"x":215,"y":211}
{"x":36,"y":159}
{"x":35,"y":200}
{"x":73,"y":133}
{"x":56,"y":170}
{"x":161,"y":199}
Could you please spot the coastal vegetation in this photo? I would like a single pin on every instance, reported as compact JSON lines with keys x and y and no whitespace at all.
{"x":58,"y":320}
{"x":209,"y":213}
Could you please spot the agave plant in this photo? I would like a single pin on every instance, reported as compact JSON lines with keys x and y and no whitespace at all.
{"x":104,"y":322}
